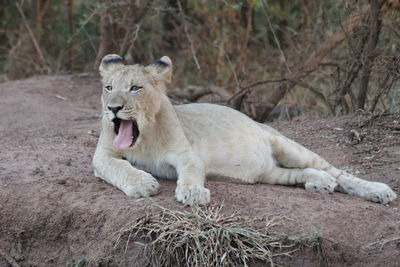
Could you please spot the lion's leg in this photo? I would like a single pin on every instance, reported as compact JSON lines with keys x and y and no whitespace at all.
{"x":191,"y":177}
{"x":122,"y":174}
{"x":372,"y":191}
{"x":292,"y":155}
{"x":313,"y":180}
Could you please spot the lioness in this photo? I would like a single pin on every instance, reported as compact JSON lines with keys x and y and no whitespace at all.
{"x":143,"y":135}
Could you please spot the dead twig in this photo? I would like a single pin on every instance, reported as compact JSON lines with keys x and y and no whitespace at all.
{"x":383,"y":243}
{"x":60,"y":97}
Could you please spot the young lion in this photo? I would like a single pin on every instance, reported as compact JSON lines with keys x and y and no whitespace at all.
{"x":143,"y":135}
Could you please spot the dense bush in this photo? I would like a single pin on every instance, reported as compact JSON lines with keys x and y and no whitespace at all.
{"x":229,"y":43}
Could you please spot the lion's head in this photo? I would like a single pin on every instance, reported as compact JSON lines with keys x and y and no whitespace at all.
{"x":132,"y":95}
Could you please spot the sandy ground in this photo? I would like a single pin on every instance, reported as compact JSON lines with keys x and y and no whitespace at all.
{"x":53,"y":210}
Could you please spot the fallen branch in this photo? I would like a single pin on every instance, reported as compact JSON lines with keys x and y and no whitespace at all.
{"x":235,"y":101}
{"x":315,"y":91}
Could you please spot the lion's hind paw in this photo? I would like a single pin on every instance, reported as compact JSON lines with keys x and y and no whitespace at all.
{"x":379,"y":192}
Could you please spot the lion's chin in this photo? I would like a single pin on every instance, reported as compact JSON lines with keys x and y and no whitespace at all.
{"x":127,"y":133}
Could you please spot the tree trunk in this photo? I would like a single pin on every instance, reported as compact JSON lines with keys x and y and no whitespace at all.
{"x":369,"y":53}
{"x":354,"y":70}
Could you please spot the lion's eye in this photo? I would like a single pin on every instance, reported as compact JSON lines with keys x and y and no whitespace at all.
{"x":108,"y":88}
{"x":135,"y":88}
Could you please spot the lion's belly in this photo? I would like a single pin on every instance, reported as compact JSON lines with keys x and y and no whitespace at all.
{"x":231,"y":145}
{"x":240,"y":162}
{"x":153,"y":165}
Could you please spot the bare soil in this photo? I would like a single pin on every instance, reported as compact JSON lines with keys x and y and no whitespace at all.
{"x":53,"y":210}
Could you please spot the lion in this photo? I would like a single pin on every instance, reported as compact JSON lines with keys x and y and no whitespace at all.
{"x":144,"y":136}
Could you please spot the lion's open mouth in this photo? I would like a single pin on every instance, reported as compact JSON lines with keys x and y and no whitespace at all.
{"x":127,"y":132}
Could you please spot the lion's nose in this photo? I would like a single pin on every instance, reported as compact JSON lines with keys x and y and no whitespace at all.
{"x":115,"y":109}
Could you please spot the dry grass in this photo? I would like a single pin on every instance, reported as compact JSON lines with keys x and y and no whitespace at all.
{"x":205,"y":237}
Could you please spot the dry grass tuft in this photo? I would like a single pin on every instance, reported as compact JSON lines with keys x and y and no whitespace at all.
{"x":205,"y":237}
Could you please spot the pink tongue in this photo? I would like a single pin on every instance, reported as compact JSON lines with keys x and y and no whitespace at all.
{"x":124,"y":138}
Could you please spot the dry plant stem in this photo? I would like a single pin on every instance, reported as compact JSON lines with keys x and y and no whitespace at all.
{"x":34,"y":41}
{"x":189,"y":38}
{"x":8,"y":259}
{"x":205,"y":237}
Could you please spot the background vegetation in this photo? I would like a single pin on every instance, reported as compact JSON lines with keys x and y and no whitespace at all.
{"x":329,"y":56}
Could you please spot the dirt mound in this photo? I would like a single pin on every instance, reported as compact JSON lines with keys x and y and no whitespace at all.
{"x":54,"y":211}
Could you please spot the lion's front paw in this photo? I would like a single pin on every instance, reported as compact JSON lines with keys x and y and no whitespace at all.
{"x":378,"y":192}
{"x":195,"y":194}
{"x":143,"y":186}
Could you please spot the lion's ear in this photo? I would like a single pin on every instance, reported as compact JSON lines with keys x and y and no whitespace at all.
{"x":161,"y":68}
{"x":110,"y":63}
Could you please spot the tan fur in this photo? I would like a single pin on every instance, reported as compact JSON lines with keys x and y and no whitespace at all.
{"x":190,"y":142}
